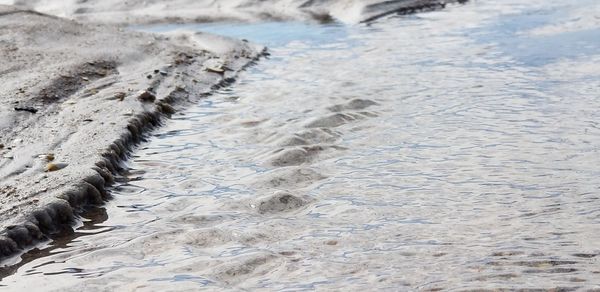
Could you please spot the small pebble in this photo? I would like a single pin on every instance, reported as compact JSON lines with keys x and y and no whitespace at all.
{"x":215,"y":70}
{"x":146,"y":96}
{"x":120,"y":95}
{"x":48,"y":157}
{"x":55,"y":166}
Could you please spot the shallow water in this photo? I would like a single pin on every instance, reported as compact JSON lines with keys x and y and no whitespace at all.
{"x":456,"y":149}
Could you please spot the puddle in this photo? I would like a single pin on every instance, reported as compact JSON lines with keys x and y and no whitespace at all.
{"x":423,"y":152}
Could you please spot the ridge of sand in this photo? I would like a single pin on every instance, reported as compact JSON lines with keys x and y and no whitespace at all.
{"x":75,"y":99}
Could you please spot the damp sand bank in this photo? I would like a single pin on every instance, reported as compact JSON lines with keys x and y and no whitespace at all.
{"x":75,"y":98}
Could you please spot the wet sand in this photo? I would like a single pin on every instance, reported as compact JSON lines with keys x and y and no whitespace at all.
{"x":76,"y":98}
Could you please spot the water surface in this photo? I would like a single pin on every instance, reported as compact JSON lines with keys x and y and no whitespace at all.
{"x":455,"y":149}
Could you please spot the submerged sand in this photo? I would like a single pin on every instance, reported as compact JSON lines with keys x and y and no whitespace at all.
{"x":79,"y":90}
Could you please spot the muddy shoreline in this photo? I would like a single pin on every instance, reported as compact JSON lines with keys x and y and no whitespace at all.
{"x":78,"y":96}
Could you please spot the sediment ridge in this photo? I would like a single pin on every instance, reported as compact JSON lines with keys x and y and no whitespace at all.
{"x":76,"y":99}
